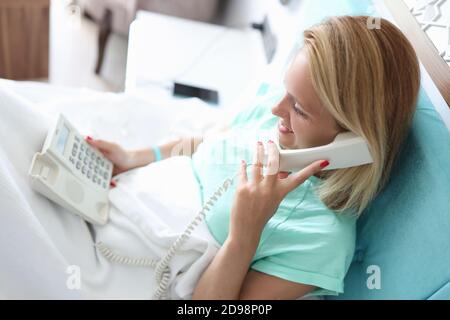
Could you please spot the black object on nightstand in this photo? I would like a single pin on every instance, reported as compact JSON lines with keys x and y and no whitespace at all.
{"x":208,"y":95}
{"x":269,"y":39}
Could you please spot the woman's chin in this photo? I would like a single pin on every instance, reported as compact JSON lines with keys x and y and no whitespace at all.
{"x":285,"y":143}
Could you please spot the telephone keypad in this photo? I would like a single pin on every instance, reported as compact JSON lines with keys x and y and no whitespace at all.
{"x":88,"y":163}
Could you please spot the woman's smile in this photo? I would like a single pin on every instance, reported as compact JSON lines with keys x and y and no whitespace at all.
{"x":284,"y":129}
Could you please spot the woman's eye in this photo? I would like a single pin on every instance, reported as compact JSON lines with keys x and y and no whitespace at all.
{"x":299,"y":111}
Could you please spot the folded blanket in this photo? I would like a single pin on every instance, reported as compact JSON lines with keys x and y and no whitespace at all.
{"x":152,"y":206}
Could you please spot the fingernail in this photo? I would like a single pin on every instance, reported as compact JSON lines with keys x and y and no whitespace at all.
{"x":270,"y":141}
{"x":260,"y":143}
{"x":113,"y":183}
{"x":325,"y":164}
{"x":89,"y":138}
{"x":243,"y":162}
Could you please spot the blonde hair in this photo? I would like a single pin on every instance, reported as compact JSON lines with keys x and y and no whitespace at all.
{"x":369,"y":80}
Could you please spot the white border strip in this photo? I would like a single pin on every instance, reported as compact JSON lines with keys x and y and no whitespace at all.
{"x":435,"y":96}
{"x":427,"y":83}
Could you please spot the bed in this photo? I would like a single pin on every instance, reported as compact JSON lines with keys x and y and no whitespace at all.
{"x":42,"y":245}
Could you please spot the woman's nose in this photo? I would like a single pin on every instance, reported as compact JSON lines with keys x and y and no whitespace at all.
{"x":280,"y":109}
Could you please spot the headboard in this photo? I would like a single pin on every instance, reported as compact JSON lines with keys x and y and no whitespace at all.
{"x":433,"y":62}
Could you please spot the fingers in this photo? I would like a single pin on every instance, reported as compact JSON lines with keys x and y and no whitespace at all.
{"x":92,"y":142}
{"x":257,"y":168}
{"x":294,"y":180}
{"x":283,"y":175}
{"x":101,"y":145}
{"x":113,"y":184}
{"x":273,"y":161}
{"x":243,"y":173}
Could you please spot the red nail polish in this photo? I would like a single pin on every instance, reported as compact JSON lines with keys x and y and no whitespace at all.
{"x":325,"y":164}
{"x":89,"y":138}
{"x":113,"y":183}
{"x":270,"y":141}
{"x":260,"y":143}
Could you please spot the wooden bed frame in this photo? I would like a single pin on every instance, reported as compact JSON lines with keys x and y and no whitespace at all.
{"x":433,"y":62}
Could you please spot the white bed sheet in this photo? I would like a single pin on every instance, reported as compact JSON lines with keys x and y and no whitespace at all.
{"x":39,"y":240}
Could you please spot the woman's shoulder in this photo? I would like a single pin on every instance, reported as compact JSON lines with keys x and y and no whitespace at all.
{"x":315,"y":207}
{"x":312,"y":216}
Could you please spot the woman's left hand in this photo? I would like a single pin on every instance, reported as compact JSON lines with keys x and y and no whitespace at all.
{"x":257,"y":200}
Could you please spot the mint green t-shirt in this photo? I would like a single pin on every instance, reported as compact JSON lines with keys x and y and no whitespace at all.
{"x":304,"y":242}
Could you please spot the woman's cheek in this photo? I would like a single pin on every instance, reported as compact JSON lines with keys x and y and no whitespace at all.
{"x":304,"y":136}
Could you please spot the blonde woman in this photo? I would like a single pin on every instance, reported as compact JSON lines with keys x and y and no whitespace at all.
{"x":287,"y":235}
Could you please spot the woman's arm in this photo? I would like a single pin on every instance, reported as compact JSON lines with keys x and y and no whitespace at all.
{"x":183,"y":146}
{"x":229,"y":277}
{"x":255,"y":202}
{"x":125,"y":160}
{"x":225,"y":275}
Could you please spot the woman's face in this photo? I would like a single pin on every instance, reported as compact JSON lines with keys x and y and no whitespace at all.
{"x":304,"y":122}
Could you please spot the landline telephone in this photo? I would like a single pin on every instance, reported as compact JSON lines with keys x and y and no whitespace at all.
{"x":73,"y":174}
{"x":347,"y":150}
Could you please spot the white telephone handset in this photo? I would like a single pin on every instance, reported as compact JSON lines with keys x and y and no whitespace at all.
{"x":71,"y":173}
{"x":347,"y":150}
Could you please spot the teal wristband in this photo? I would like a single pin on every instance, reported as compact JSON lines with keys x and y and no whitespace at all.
{"x":157,"y":153}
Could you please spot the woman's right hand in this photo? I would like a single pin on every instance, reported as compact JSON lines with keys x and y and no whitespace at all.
{"x":120,"y":158}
